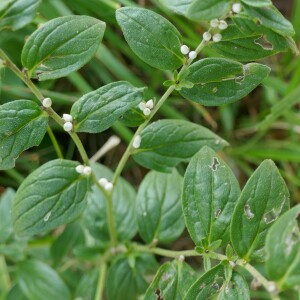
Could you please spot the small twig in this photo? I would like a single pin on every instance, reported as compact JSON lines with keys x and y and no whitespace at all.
{"x":112,"y":142}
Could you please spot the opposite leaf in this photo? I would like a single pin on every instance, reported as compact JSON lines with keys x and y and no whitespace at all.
{"x":61,"y":46}
{"x":126,"y":278}
{"x":38,"y":281}
{"x":220,"y":81}
{"x":18,"y":14}
{"x":257,"y":3}
{"x":213,"y":284}
{"x":283,"y":250}
{"x":166,"y":143}
{"x":243,"y":40}
{"x":53,"y":195}
{"x":172,"y":281}
{"x":263,"y":199}
{"x":270,"y":17}
{"x":203,"y":10}
{"x":151,"y":37}
{"x":5,"y":217}
{"x":210,"y":192}
{"x":95,"y":217}
{"x":178,"y":6}
{"x":159,"y":210}
{"x":22,"y":125}
{"x":98,"y":110}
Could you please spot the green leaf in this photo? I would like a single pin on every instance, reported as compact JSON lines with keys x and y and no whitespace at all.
{"x":178,"y":6}
{"x":236,"y":289}
{"x":95,"y":217}
{"x":5,"y":218}
{"x":151,"y":37}
{"x":38,"y":281}
{"x":210,"y":192}
{"x":54,"y":194}
{"x":133,"y":118}
{"x":159,"y":212}
{"x":72,"y":236}
{"x":16,"y":293}
{"x":126,"y":276}
{"x":283,"y":249}
{"x":166,"y":143}
{"x":263,"y":199}
{"x":220,"y":81}
{"x":213,"y":283}
{"x":257,"y":3}
{"x":87,"y":286}
{"x":61,"y":46}
{"x":98,"y":110}
{"x":4,"y":4}
{"x":22,"y":125}
{"x":172,"y":281}
{"x":18,"y":14}
{"x":207,"y":285}
{"x":270,"y":17}
{"x":244,"y":40}
{"x":203,"y":10}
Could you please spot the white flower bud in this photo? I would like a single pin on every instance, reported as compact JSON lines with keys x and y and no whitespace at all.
{"x":206,"y":36}
{"x":67,"y":118}
{"x":103,"y":181}
{"x":192,"y":54}
{"x":181,"y":258}
{"x":146,"y":111}
{"x":79,"y":169}
{"x":150,"y":104}
{"x":47,"y":102}
{"x":217,"y":37}
{"x":184,"y":49}
{"x":137,"y":142}
{"x":142,"y":106}
{"x":87,"y":170}
{"x":68,"y":126}
{"x":108,"y":186}
{"x":214,"y":23}
{"x":232,"y":264}
{"x":223,"y":25}
{"x":236,"y":7}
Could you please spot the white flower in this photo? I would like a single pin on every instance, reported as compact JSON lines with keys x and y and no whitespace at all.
{"x":108,"y":186}
{"x":146,"y":111}
{"x":192,"y":54}
{"x":47,"y":102}
{"x":206,"y":36}
{"x":103,"y":181}
{"x":223,"y":25}
{"x":79,"y":169}
{"x":142,"y":105}
{"x":150,"y":104}
{"x":236,"y":7}
{"x":67,"y":118}
{"x":137,"y":142}
{"x":184,"y":49}
{"x":87,"y":170}
{"x":217,"y":37}
{"x":68,"y":126}
{"x":214,"y":23}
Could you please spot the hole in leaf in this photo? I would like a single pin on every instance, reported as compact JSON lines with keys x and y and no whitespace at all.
{"x":264,"y":43}
{"x":215,"y":89}
{"x":247,"y":210}
{"x":217,"y":213}
{"x":215,"y":164}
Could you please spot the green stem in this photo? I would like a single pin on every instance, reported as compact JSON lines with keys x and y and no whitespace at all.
{"x":24,"y":77}
{"x":109,"y":212}
{"x":101,"y":281}
{"x":266,"y":284}
{"x":161,"y":101}
{"x":55,"y":143}
{"x":15,"y":175}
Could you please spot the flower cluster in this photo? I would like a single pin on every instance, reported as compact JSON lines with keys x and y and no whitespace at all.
{"x":186,"y":51}
{"x":84,"y":170}
{"x":68,"y":119}
{"x":107,"y":185}
{"x":146,"y":107}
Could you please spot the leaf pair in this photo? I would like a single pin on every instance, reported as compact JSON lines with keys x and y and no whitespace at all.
{"x":215,"y":209}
